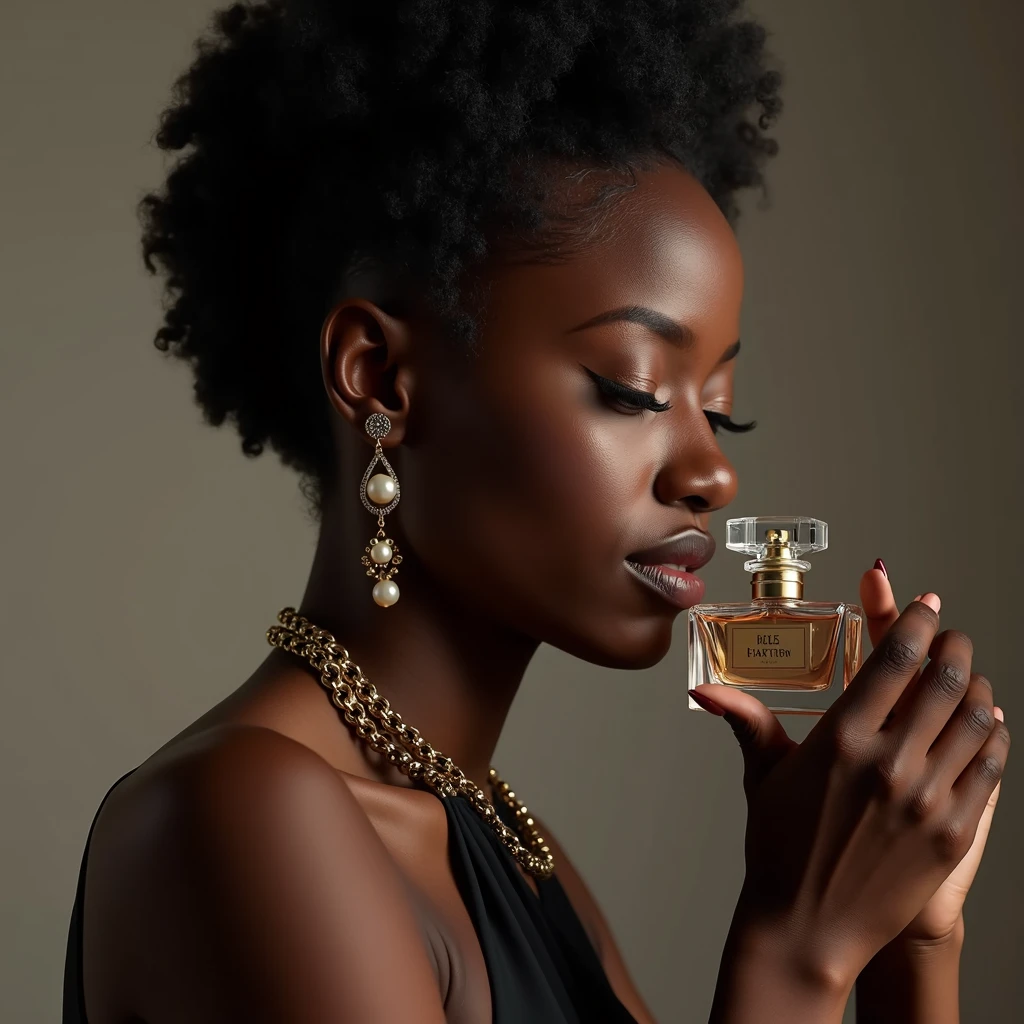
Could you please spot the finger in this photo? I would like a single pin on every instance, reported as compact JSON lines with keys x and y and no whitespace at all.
{"x":961,"y":738}
{"x":962,"y":876}
{"x":905,"y":696}
{"x":974,"y":790}
{"x":985,"y":825}
{"x":938,"y":696}
{"x":762,"y":739}
{"x":891,"y":665}
{"x":876,"y":598}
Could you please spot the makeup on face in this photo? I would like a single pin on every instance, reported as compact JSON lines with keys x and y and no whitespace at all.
{"x":669,"y":568}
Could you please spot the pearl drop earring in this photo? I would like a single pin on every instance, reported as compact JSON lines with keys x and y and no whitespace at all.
{"x":379,"y":494}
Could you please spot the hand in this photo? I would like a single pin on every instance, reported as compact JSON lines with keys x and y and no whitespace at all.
{"x":940,"y":919}
{"x":851,"y":833}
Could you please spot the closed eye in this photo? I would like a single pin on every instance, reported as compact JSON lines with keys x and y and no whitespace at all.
{"x":638,"y":402}
{"x":620,"y":394}
{"x":719,"y":421}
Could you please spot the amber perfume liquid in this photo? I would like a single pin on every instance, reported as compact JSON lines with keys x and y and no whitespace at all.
{"x":796,"y":656}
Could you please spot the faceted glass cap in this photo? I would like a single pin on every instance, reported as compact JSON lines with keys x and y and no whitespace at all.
{"x":754,"y":535}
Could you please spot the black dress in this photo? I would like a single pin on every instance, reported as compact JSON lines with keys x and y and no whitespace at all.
{"x":540,"y":962}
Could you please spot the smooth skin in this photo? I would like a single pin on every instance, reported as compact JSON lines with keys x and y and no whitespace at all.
{"x":891,"y":797}
{"x":264,"y":865}
{"x":916,"y":977}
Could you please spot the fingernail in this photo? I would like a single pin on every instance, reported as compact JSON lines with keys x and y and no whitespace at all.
{"x":933,"y":601}
{"x":706,"y":703}
{"x":879,"y":564}
{"x":998,"y":712}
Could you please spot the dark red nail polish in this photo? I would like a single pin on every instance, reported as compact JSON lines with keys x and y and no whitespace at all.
{"x":879,"y":564}
{"x":707,"y":703}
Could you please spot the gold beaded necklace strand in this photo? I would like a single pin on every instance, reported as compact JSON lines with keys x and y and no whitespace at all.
{"x":376,"y":722}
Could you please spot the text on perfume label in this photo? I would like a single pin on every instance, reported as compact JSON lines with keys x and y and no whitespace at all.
{"x":771,"y":647}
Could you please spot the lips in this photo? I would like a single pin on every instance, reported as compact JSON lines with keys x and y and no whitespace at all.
{"x":668,"y":568}
{"x":692,"y":548}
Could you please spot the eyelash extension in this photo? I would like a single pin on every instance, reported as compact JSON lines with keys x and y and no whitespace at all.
{"x":719,"y":421}
{"x":640,"y":401}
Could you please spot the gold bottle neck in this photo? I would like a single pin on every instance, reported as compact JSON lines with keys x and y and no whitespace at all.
{"x":780,"y":582}
{"x":777,"y":574}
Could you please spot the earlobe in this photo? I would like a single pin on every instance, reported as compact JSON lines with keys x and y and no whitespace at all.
{"x":364,"y":363}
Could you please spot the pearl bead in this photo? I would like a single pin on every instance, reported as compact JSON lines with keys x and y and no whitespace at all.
{"x":381,"y":553}
{"x":385,"y":593}
{"x":380,"y":488}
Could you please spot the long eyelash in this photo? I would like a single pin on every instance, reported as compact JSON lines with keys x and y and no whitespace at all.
{"x":638,"y":400}
{"x":719,"y":421}
{"x":641,"y":401}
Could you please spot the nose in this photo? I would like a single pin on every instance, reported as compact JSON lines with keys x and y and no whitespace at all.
{"x":699,"y":475}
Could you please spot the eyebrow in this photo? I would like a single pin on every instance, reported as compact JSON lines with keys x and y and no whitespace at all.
{"x":664,"y":326}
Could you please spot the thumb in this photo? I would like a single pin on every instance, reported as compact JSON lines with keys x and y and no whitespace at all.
{"x":762,"y":739}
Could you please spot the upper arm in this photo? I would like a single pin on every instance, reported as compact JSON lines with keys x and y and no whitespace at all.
{"x":597,"y":926}
{"x":270,"y":897}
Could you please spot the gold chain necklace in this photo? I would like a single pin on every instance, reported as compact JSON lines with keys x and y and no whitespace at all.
{"x":376,"y":722}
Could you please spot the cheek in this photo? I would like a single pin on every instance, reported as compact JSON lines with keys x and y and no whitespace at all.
{"x":537,"y":494}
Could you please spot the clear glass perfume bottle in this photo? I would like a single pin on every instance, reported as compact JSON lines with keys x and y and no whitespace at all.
{"x":796,"y":656}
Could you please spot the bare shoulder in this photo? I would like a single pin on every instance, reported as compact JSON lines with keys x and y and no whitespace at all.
{"x":235,"y":877}
{"x":232,"y":769}
{"x":596,"y":925}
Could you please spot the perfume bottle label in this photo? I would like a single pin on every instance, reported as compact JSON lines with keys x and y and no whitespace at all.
{"x":767,"y":647}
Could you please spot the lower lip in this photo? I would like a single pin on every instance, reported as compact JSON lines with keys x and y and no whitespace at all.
{"x":679,"y":588}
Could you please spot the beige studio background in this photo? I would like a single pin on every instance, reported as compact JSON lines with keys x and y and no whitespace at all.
{"x":143,"y":556}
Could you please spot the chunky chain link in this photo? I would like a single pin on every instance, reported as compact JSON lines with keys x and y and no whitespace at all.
{"x":376,"y":722}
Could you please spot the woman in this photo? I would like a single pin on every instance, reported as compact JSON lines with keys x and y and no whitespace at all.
{"x":511,"y":227}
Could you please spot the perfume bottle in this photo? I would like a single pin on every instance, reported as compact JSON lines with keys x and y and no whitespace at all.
{"x":796,"y":656}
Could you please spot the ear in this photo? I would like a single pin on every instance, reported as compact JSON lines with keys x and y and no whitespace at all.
{"x":364,"y":357}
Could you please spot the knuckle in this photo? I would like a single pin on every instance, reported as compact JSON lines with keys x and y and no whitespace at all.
{"x":743,"y":730}
{"x":845,"y":744}
{"x":951,"y":842}
{"x":886,"y":777}
{"x":978,"y":719}
{"x":919,"y":806}
{"x":900,"y":655}
{"x":949,"y":679}
{"x":955,"y":636}
{"x":990,"y":768}
{"x":979,"y":680}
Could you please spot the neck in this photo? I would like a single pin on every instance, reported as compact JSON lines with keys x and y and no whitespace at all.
{"x":445,"y":668}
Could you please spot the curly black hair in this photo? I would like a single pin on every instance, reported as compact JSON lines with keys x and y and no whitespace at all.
{"x":412,"y":133}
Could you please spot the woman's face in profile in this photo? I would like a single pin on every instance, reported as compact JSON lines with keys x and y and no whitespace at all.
{"x":528,"y":482}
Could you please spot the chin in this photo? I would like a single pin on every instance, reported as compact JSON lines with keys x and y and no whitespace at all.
{"x":631,"y":645}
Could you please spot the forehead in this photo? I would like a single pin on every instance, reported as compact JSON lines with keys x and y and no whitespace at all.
{"x":663,"y":243}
